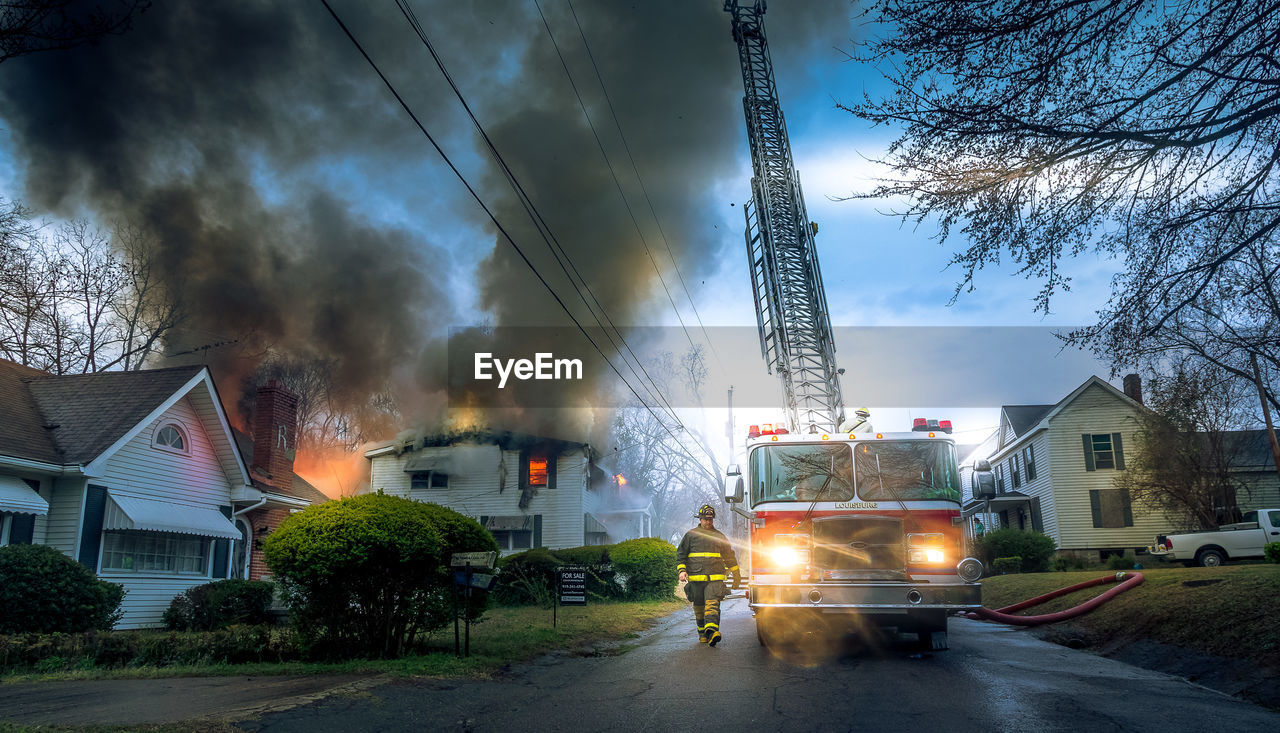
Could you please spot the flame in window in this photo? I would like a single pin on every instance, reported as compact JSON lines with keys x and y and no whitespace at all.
{"x":538,"y":471}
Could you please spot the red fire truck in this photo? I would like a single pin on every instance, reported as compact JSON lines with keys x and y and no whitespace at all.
{"x":855,"y":529}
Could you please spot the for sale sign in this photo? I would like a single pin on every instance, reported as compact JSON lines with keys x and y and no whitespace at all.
{"x":572,"y":590}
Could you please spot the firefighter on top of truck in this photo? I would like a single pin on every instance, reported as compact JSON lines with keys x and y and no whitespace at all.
{"x":704,"y":559}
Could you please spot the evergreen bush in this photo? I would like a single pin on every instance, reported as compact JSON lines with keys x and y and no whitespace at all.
{"x":647,"y":567}
{"x":1272,"y":551}
{"x":1003,"y":565}
{"x":365,"y":575}
{"x":220,"y":604}
{"x":43,"y":590}
{"x":1034,"y":548}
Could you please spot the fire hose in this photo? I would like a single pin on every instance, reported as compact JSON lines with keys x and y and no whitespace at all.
{"x":1127,"y":581}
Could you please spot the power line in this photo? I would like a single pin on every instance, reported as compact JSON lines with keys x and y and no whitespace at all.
{"x":652,"y":211}
{"x":497,"y":224}
{"x":539,"y":223}
{"x":617,"y":183}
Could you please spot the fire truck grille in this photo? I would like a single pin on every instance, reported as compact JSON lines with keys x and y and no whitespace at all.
{"x":852,"y":547}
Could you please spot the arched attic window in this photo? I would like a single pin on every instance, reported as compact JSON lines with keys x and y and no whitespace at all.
{"x":171,"y":437}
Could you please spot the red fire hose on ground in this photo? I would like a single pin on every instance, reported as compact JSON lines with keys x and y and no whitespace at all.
{"x":1127,"y":581}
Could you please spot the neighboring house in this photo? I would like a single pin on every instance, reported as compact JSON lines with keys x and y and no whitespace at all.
{"x":1054,"y":466}
{"x":528,"y":491}
{"x":1254,"y":466}
{"x":134,"y":474}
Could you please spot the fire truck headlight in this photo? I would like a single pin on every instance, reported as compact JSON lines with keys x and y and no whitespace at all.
{"x":787,"y":556}
{"x":933,"y":556}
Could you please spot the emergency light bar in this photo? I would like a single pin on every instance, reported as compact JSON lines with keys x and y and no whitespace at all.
{"x":920,"y":425}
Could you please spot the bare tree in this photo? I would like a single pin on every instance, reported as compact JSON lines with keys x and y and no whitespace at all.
{"x":30,"y":26}
{"x":1143,"y":131}
{"x":1183,"y":464}
{"x":79,"y":300}
{"x":668,"y":458}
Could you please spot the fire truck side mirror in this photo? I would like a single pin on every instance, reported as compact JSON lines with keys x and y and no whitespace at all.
{"x":984,"y":486}
{"x":734,"y":489}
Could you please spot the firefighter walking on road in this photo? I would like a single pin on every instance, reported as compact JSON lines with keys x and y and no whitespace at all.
{"x":705,"y":559}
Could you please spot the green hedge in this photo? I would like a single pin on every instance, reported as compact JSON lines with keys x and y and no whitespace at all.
{"x":117,"y":649}
{"x":43,"y":590}
{"x":647,"y":568}
{"x":528,"y":578}
{"x":1003,"y":565}
{"x":1034,"y":548}
{"x":220,"y":604}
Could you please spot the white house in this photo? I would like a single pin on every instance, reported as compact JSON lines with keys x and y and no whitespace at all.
{"x":528,"y":491}
{"x":1055,"y":464}
{"x":134,"y":474}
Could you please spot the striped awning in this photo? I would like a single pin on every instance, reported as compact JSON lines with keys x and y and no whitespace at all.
{"x":131,"y":512}
{"x":18,"y":497}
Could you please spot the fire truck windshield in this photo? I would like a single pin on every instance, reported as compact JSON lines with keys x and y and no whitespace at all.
{"x":908,"y":469}
{"x":886,"y":471}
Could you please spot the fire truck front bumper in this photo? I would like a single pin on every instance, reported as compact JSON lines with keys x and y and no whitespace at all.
{"x":866,"y":597}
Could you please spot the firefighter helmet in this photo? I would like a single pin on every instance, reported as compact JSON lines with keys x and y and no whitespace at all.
{"x":862,"y":412}
{"x":706,"y":510}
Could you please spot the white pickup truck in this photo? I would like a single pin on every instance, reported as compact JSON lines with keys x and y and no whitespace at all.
{"x":1228,"y":542}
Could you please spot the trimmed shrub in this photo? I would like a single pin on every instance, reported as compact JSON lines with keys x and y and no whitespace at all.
{"x":220,"y":604}
{"x":365,"y":575}
{"x":1065,"y":563}
{"x":1005,"y":565}
{"x":1034,"y":548}
{"x":1272,"y":551}
{"x":527,"y":578}
{"x":43,"y":590}
{"x":647,"y":568}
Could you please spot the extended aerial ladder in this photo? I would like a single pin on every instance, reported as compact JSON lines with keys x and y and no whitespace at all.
{"x":791,"y":307}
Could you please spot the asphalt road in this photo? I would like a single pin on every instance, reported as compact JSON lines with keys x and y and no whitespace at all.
{"x":994,"y":678}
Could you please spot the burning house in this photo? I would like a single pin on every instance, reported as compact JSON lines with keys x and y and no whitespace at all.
{"x":528,"y":491}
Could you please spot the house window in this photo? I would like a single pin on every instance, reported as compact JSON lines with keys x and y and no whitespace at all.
{"x":1014,"y":473}
{"x":513,"y":533}
{"x":537,"y":471}
{"x":1029,"y":460}
{"x":172,"y":438}
{"x":1000,"y":478}
{"x":1111,"y":508}
{"x":1103,"y":456}
{"x":155,"y":552}
{"x":429,"y":480}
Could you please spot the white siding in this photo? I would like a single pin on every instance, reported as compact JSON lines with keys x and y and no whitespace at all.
{"x":62,"y":526}
{"x":478,"y":493}
{"x":146,"y":598}
{"x":1095,"y":410}
{"x":1041,"y":488}
{"x":196,"y":478}
{"x":1264,"y":493}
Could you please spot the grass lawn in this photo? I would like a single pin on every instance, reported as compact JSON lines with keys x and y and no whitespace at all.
{"x":503,"y":636}
{"x":1225,"y":611}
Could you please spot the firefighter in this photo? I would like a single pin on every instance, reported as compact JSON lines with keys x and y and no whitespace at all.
{"x":704,"y":559}
{"x":861,"y":422}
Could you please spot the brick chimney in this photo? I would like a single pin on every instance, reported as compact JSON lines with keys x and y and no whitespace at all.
{"x":1133,"y":387}
{"x":275,"y":428}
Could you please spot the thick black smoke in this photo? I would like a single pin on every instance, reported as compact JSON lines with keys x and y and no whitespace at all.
{"x":267,"y":158}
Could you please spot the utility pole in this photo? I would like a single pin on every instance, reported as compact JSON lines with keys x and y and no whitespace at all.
{"x":1266,"y":414}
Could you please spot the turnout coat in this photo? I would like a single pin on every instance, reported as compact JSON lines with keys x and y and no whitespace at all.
{"x":706,"y":555}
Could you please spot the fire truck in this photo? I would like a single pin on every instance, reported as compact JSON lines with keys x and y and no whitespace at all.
{"x":846,"y":527}
{"x":849,"y":530}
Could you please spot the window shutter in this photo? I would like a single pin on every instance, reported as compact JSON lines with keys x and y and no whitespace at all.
{"x":22,"y":530}
{"x":551,"y":470}
{"x":1088,"y":459}
{"x":524,"y":468}
{"x":221,"y":549}
{"x":1095,"y":506}
{"x":484,"y":520}
{"x":1118,"y":450}
{"x":537,"y":530}
{"x":1128,"y":506}
{"x":95,"y":505}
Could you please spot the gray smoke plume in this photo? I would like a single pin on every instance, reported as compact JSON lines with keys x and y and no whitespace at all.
{"x":298,"y":209}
